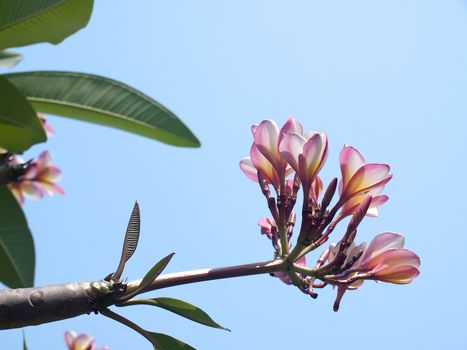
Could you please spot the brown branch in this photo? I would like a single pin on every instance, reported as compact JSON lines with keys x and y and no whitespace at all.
{"x":32,"y":306}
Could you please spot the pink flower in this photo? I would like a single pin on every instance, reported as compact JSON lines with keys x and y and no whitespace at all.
{"x":359,"y":180}
{"x":80,"y":342}
{"x":267,"y":225}
{"x":39,"y":179}
{"x":264,"y":152}
{"x":385,"y":260}
{"x":306,"y":154}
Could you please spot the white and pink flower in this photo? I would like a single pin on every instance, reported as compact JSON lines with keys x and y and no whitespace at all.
{"x":80,"y":342}
{"x":39,"y":180}
{"x":361,"y":179}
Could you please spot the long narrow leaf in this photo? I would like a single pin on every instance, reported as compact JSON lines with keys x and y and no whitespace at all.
{"x":155,"y":271}
{"x":19,"y":126}
{"x":16,"y":244}
{"x":25,"y":22}
{"x":159,"y":341}
{"x":100,"y":100}
{"x":179,"y":307}
{"x":130,"y":242}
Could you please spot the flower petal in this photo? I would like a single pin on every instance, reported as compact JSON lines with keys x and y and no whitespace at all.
{"x":50,"y":188}
{"x":32,"y":189}
{"x":291,"y":126}
{"x":314,"y":156}
{"x":290,"y":147}
{"x":260,"y":162}
{"x":366,"y":178}
{"x":398,"y":275}
{"x":351,"y":204}
{"x":266,"y":225}
{"x":266,"y":140}
{"x":249,"y":169}
{"x":83,"y":342}
{"x":381,"y":243}
{"x":70,"y":338}
{"x":350,"y":160}
{"x":51,"y":173}
{"x":393,"y":258}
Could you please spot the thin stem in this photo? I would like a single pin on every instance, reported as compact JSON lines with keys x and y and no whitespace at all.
{"x":179,"y":278}
{"x":284,"y":240}
{"x":304,"y":270}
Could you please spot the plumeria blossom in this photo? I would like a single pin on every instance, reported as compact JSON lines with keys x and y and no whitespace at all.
{"x":80,"y":342}
{"x":306,"y":154}
{"x":274,"y":155}
{"x":264,"y":152}
{"x":384,"y":260}
{"x":39,"y":179}
{"x":360,"y":179}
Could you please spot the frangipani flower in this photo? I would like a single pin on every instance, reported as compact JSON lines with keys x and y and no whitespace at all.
{"x":39,"y":179}
{"x":359,"y":180}
{"x":267,"y":225}
{"x":306,"y":154}
{"x":264,"y":152}
{"x":80,"y":342}
{"x":385,"y":260}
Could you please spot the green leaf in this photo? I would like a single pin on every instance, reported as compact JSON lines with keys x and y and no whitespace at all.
{"x":158,"y":340}
{"x":25,"y":22}
{"x":25,"y":347}
{"x":102,"y":101}
{"x":162,"y":341}
{"x":19,"y":126}
{"x":155,"y":271}
{"x":9,"y":59}
{"x":16,"y":244}
{"x":179,"y":307}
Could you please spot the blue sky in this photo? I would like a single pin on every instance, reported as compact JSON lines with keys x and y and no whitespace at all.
{"x":388,"y":77}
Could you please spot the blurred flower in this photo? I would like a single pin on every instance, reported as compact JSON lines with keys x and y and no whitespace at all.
{"x":80,"y":342}
{"x":359,"y":180}
{"x":39,"y":179}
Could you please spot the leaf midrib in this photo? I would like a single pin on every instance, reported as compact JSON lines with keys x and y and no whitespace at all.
{"x":93,"y":109}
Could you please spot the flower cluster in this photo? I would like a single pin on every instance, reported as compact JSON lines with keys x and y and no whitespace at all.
{"x":80,"y":342}
{"x":35,"y":178}
{"x":289,"y":159}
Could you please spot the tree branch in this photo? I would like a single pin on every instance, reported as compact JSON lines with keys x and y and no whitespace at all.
{"x":32,"y":306}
